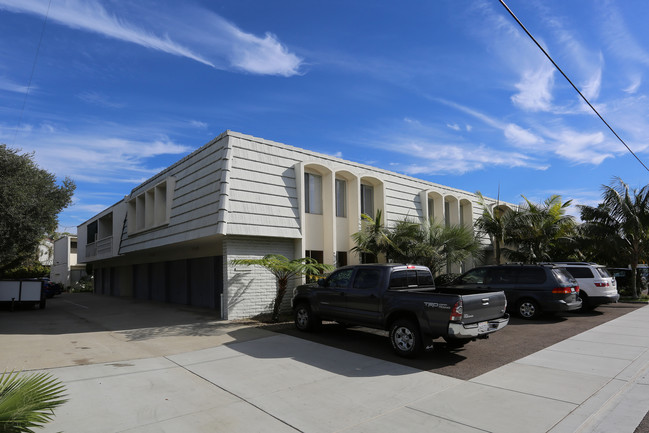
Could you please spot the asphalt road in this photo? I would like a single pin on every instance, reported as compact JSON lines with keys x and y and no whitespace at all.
{"x":517,"y":340}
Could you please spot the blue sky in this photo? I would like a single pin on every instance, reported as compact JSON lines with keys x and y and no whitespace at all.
{"x":448,"y":91}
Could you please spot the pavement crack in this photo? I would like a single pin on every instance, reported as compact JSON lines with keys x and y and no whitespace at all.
{"x":235,"y":395}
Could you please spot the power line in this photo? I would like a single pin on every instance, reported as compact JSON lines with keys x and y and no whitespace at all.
{"x":29,"y":84}
{"x":572,"y":84}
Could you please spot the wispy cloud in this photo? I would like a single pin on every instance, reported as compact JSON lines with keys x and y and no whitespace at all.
{"x":619,"y":40}
{"x":10,"y":86}
{"x":100,"y":100}
{"x":98,"y":155}
{"x":634,"y":85}
{"x":189,"y":31}
{"x":432,"y":149}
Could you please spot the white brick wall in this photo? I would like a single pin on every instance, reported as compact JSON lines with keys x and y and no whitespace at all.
{"x":250,"y":290}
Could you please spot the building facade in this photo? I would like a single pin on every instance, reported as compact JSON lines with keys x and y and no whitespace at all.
{"x":173,"y":237}
{"x":65,"y":268}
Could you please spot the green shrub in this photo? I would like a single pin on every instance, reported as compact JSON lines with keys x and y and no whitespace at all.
{"x":85,"y":284}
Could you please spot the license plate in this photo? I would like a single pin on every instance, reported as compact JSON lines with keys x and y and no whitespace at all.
{"x":483,"y":327}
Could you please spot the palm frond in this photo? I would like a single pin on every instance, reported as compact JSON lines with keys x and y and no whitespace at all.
{"x":28,"y":401}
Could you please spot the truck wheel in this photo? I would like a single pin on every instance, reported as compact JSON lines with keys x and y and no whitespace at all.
{"x":305,"y":320}
{"x":405,"y":338}
{"x":528,"y":309}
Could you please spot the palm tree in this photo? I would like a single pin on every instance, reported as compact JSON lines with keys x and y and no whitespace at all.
{"x":449,"y":245}
{"x":493,"y":223}
{"x":29,"y":401}
{"x":623,"y":214}
{"x":539,"y":230}
{"x":373,"y":237}
{"x":434,"y":245}
{"x":284,"y":269}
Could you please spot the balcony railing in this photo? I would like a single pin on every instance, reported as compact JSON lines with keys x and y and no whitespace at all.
{"x":100,"y":248}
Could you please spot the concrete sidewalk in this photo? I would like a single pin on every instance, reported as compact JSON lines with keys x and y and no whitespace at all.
{"x":596,"y":381}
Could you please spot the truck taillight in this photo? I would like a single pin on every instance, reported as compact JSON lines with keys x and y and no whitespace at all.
{"x":456,"y":312}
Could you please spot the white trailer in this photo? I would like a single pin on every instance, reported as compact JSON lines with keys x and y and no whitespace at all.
{"x":18,"y":293}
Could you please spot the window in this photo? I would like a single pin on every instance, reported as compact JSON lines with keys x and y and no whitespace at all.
{"x":341,"y":198}
{"x":341,"y":258}
{"x":580,"y":272}
{"x":312,"y":193}
{"x":340,"y":278}
{"x":531,"y":275}
{"x":367,"y":279}
{"x":73,"y":247}
{"x":367,"y":200}
{"x":474,"y":276}
{"x":92,"y":232}
{"x":318,"y":256}
{"x":151,"y":208}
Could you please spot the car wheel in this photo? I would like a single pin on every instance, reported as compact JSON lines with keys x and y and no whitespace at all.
{"x":405,"y":338}
{"x":305,"y":320}
{"x":528,"y":309}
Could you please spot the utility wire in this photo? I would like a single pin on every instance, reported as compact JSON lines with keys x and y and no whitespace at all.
{"x":571,"y":83}
{"x":29,"y":84}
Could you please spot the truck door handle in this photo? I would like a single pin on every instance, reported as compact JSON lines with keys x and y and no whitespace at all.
{"x":485,"y":301}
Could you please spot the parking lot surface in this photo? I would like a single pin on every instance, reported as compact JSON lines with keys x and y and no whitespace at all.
{"x":517,"y":340}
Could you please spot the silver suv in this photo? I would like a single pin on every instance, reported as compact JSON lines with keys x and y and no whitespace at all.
{"x":596,"y":285}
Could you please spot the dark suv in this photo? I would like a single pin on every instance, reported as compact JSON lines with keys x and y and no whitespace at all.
{"x":530,"y":289}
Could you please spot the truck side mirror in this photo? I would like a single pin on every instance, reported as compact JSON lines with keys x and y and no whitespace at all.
{"x":322,"y":282}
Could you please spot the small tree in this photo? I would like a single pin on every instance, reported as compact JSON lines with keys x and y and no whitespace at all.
{"x":284,"y":270}
{"x":28,"y":402}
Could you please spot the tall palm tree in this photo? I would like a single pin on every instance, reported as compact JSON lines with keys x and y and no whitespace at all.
{"x":493,"y":223}
{"x":623,"y":214}
{"x":284,"y":270}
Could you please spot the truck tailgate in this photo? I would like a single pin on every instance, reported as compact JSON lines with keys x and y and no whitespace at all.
{"x":479,"y":307}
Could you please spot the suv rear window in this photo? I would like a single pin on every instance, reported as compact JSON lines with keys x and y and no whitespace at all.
{"x":603,"y":272}
{"x":564,"y":277}
{"x":580,"y":271}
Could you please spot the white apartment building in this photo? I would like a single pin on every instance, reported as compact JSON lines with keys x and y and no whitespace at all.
{"x":65,"y":268}
{"x":173,"y":237}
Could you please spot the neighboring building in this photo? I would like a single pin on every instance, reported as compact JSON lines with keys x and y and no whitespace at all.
{"x":45,"y":252}
{"x":172,"y":239}
{"x":65,"y":269}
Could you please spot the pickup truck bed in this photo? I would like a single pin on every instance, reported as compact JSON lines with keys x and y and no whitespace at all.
{"x":403,"y":300}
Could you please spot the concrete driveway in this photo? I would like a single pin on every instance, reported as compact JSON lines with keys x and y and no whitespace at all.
{"x":139,"y":367}
{"x":82,"y":328}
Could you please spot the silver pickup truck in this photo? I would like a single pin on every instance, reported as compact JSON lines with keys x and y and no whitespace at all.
{"x":403,"y":300}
